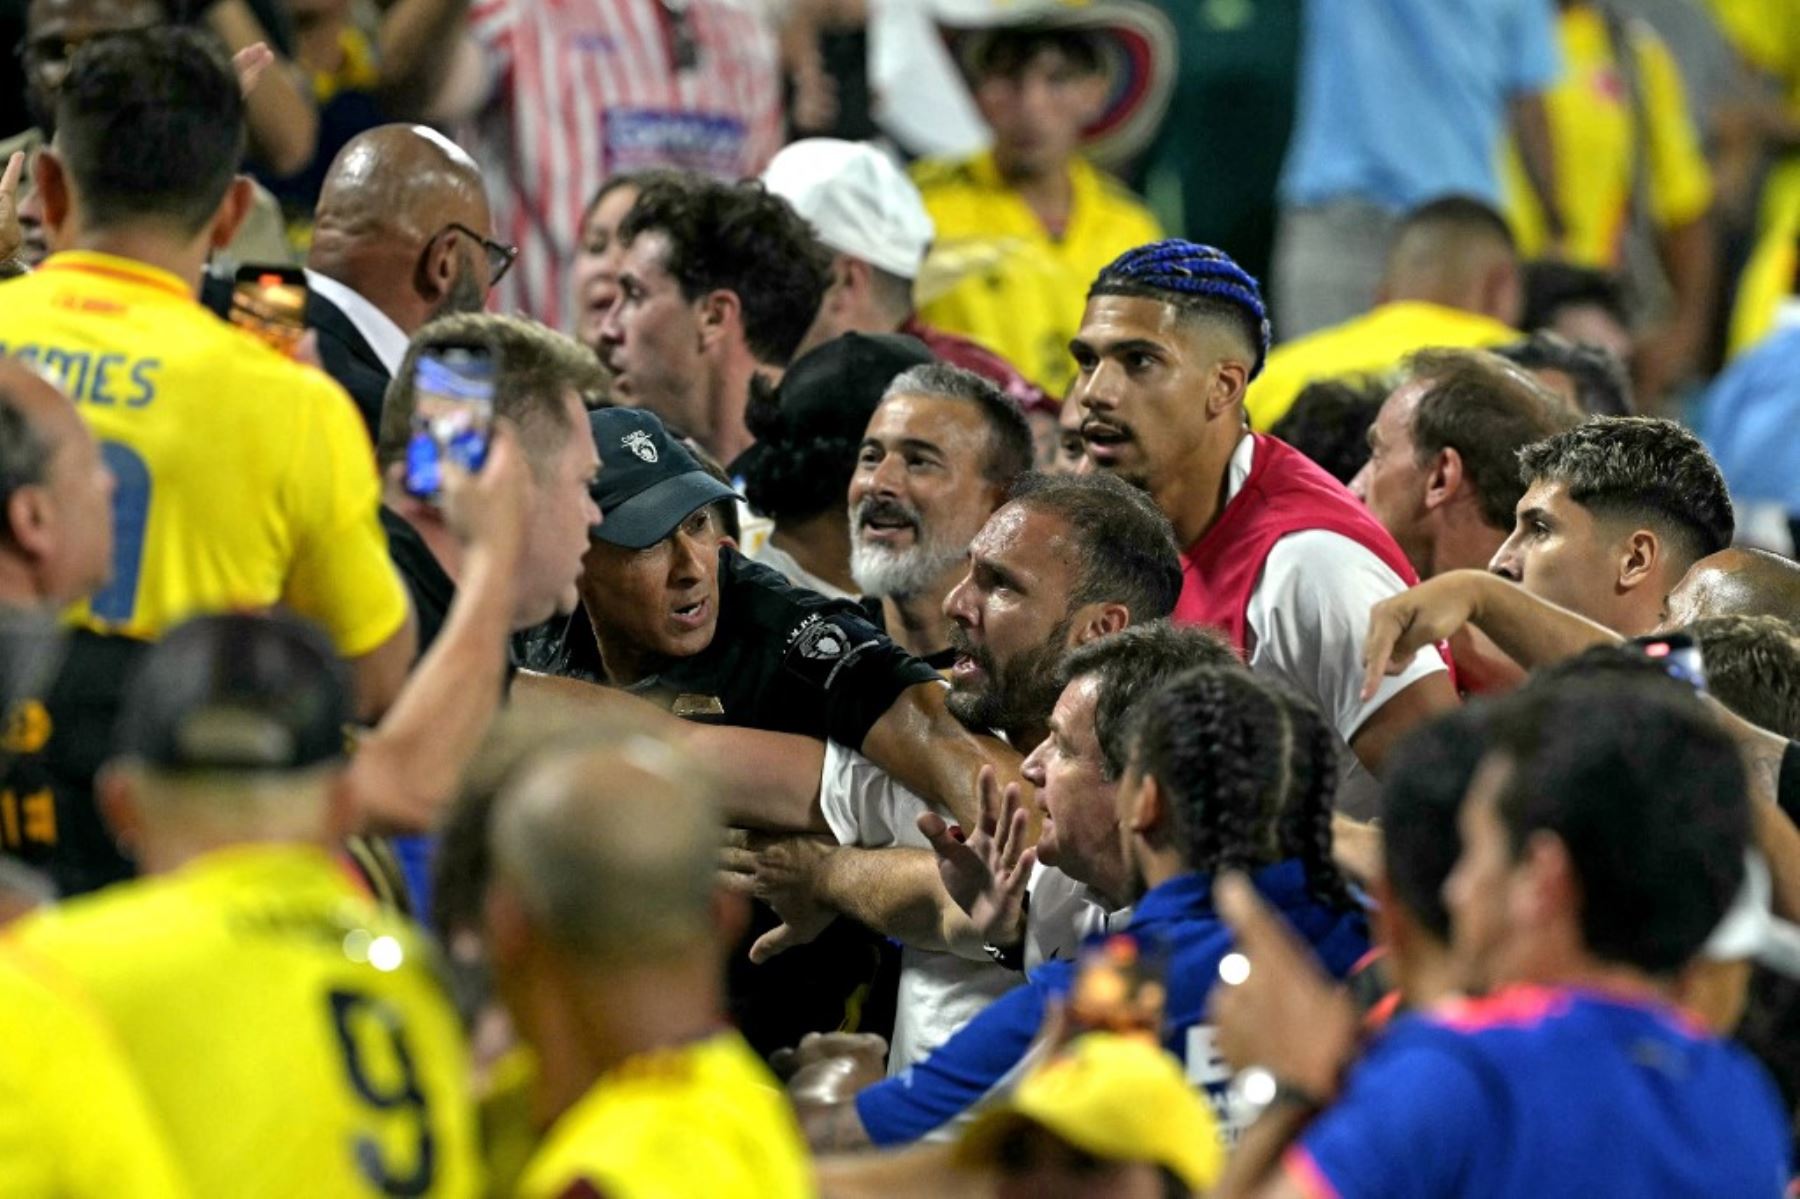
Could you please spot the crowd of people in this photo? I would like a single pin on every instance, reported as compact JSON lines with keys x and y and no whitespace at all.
{"x":764,"y":630}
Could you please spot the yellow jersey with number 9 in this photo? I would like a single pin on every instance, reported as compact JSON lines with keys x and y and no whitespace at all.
{"x":291,"y":1038}
{"x":243,"y":479}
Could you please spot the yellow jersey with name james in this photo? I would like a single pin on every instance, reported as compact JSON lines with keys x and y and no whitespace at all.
{"x":291,"y":1038}
{"x":705,"y":1119}
{"x":73,"y":1122}
{"x":244,"y":480}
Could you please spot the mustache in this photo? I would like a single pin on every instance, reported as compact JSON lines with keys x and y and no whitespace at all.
{"x":878,"y":508}
{"x":1095,"y":425}
{"x":960,"y":643}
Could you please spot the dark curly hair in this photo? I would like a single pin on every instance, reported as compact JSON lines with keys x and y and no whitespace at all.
{"x":807,"y":476}
{"x":1250,"y":769}
{"x":740,"y":238}
{"x":1644,"y":468}
{"x":1330,"y":420}
{"x":1602,"y":387}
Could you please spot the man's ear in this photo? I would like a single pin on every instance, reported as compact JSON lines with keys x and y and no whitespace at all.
{"x":506,"y":930}
{"x":1639,"y":560}
{"x":31,"y":520}
{"x":50,"y":180}
{"x":119,"y":805}
{"x":1149,"y":807}
{"x":1093,"y":93}
{"x":1443,"y":479}
{"x":1547,"y":882}
{"x":720,"y":315}
{"x":1230,"y":380}
{"x":436,"y":271}
{"x":1094,"y":621}
{"x":229,"y":217}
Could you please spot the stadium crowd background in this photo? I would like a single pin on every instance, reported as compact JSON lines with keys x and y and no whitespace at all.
{"x":1089,"y":598}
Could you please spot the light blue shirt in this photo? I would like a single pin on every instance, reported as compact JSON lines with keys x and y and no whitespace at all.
{"x":1404,"y":101}
{"x":1749,"y":419}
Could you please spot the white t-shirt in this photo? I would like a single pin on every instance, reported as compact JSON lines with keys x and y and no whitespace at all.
{"x":1063,"y":913}
{"x":1308,"y":618}
{"x":777,"y":559}
{"x":939,"y":992}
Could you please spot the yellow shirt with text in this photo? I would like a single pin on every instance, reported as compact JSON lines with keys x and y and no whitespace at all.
{"x":1019,"y":290}
{"x":1373,"y":343}
{"x":244,"y":480}
{"x":291,"y":1038}
{"x":1595,"y":135}
{"x":73,"y":1122}
{"x":706,"y":1119}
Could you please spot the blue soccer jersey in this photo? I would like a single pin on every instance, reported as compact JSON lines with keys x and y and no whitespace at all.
{"x":1179,"y":918}
{"x":1540,"y":1093}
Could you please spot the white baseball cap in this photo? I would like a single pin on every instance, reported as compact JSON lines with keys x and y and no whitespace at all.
{"x":857,"y":201}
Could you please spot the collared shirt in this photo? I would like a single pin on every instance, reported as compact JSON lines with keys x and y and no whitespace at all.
{"x":1535,"y":1092}
{"x":208,"y":431}
{"x":1370,"y":344}
{"x":1019,"y":288}
{"x":1402,"y":101}
{"x":292,"y":1038}
{"x":582,"y":90}
{"x":386,"y":338}
{"x":1177,"y":916}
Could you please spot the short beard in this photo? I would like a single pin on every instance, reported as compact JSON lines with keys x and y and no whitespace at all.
{"x":465,"y":295}
{"x":1019,"y":697}
{"x":901,"y":574}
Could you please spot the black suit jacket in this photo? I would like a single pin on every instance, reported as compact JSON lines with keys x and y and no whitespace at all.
{"x":348,"y":358}
{"x":343,"y":352}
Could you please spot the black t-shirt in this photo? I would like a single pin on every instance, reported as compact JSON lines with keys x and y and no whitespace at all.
{"x":58,"y":733}
{"x":783,"y":658}
{"x":789,"y":660}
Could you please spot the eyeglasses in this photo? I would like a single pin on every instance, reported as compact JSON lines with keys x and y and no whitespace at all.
{"x":499,"y":257}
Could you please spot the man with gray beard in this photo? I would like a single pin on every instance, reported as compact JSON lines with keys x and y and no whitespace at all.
{"x":936,"y":461}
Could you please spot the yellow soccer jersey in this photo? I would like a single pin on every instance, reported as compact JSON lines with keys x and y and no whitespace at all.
{"x":1372,"y":343}
{"x":1594,"y":131}
{"x":243,"y":479}
{"x":1020,"y":291}
{"x":292,"y":1039}
{"x":73,"y":1123}
{"x":705,"y":1120}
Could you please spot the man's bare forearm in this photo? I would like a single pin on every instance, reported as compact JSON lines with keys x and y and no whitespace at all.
{"x":773,"y":777}
{"x":930,"y":752}
{"x":407,"y":769}
{"x":897,"y":893}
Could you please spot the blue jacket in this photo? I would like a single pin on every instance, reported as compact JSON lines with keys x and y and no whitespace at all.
{"x":1179,"y":917}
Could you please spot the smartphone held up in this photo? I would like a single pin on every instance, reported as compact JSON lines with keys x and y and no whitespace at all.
{"x":269,"y":303}
{"x":453,"y":415}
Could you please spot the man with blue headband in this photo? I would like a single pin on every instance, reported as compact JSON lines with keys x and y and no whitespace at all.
{"x":1279,"y":555}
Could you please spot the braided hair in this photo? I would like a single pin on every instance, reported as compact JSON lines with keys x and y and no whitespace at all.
{"x":1250,"y":770}
{"x":1193,"y":278}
